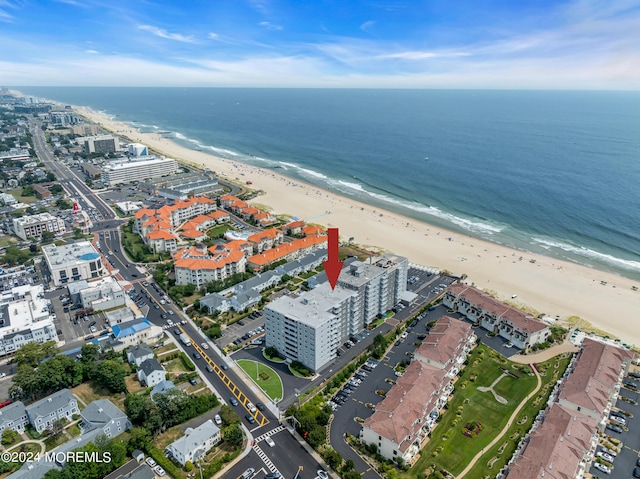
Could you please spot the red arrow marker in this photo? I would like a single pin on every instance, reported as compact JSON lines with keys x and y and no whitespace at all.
{"x":332,"y":266}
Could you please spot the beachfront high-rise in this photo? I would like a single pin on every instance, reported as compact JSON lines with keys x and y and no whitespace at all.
{"x":130,"y":170}
{"x":311,"y":327}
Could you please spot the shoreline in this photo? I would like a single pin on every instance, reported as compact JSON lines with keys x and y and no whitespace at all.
{"x":551,"y":286}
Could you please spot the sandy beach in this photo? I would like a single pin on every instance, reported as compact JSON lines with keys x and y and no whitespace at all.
{"x":549,"y":286}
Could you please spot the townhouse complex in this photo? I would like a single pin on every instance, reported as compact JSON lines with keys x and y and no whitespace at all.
{"x":522,"y":329}
{"x":562,"y":442}
{"x":403,"y":420}
{"x":311,"y":327}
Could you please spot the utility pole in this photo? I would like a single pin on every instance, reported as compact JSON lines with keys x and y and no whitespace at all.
{"x":300,"y":469}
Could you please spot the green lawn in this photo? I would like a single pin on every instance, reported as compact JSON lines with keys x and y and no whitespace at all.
{"x":218,"y":231}
{"x":496,"y":457}
{"x":271,"y":386}
{"x":448,"y":447}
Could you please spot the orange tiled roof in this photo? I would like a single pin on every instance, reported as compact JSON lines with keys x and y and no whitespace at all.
{"x":192,"y":233}
{"x":294,"y":225}
{"x":218,"y":214}
{"x":263,"y":235}
{"x":312,"y":230}
{"x":236,"y":244}
{"x":217,"y":263}
{"x":274,"y":254}
{"x":160,"y":234}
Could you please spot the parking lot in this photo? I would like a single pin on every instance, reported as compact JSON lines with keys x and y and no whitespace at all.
{"x":627,"y":459}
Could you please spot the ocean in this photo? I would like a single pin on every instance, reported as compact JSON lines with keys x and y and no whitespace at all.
{"x":550,"y":172}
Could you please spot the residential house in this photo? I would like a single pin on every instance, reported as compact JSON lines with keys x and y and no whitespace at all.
{"x":102,"y":414}
{"x":151,"y":372}
{"x":194,"y":444}
{"x":136,"y":331}
{"x":59,"y":405}
{"x":139,"y":353}
{"x":14,"y":416}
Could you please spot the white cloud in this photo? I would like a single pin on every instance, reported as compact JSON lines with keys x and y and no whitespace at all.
{"x":414,"y":55}
{"x":213,"y":36}
{"x":270,"y":26}
{"x":367,"y":26}
{"x":5,"y":16}
{"x":159,"y":32}
{"x":92,"y":52}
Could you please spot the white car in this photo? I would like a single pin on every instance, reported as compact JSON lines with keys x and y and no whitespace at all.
{"x":322,"y":474}
{"x":619,"y":420}
{"x":204,"y":346}
{"x":159,"y":471}
{"x":151,"y":462}
{"x":217,"y":419}
{"x":269,"y":441}
{"x":604,"y":456}
{"x":404,"y":335}
{"x":2,"y":375}
{"x":602,"y":468}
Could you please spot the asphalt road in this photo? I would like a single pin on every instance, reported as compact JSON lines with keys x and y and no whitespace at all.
{"x":287,"y":455}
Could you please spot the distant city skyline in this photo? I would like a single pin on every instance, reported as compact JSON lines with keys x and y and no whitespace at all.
{"x":573,"y":44}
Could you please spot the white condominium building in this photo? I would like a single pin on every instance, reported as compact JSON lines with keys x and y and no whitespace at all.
{"x":129,"y":170}
{"x":33,"y":226}
{"x":311,"y":327}
{"x":379,"y":284}
{"x":73,"y":262}
{"x":24,"y":317}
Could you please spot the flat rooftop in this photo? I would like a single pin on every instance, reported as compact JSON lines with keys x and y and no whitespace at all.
{"x":312,"y":307}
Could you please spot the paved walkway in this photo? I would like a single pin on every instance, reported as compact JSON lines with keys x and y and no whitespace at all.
{"x":543,"y":356}
{"x":500,"y":435}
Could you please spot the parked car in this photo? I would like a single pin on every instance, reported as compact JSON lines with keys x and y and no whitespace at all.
{"x":614,"y":428}
{"x":217,"y":419}
{"x":159,"y":471}
{"x":602,"y":468}
{"x":605,"y":456}
{"x":619,"y":420}
{"x":151,"y":462}
{"x":322,"y":474}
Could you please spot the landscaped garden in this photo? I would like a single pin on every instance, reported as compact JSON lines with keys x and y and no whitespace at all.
{"x":488,"y":392}
{"x":265,"y":377}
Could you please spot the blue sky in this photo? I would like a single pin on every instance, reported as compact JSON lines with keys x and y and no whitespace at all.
{"x":573,"y":44}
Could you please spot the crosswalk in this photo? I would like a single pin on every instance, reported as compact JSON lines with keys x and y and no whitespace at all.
{"x":260,"y":452}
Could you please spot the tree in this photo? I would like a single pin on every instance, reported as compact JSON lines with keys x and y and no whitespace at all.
{"x":228,"y":415}
{"x":32,"y":353}
{"x":47,"y":236}
{"x":271,"y":352}
{"x":9,"y":436}
{"x":56,"y":189}
{"x":77,"y":233}
{"x":332,"y":458}
{"x":110,"y":373}
{"x":233,"y":435}
{"x":57,"y":427}
{"x":139,"y":438}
